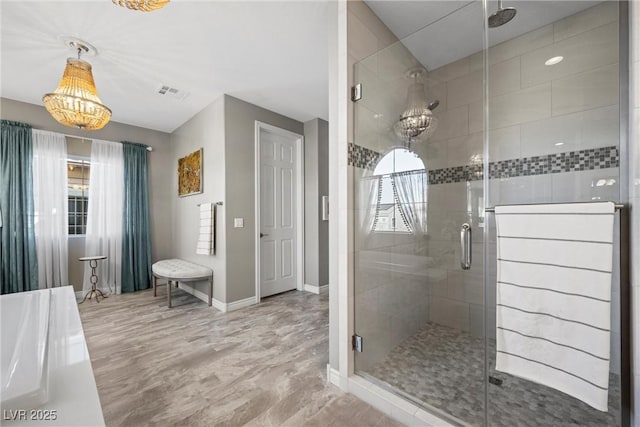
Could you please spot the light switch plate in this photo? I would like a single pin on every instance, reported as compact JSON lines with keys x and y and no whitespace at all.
{"x":238,"y":222}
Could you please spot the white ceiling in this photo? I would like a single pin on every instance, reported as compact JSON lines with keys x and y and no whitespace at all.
{"x":440,"y":32}
{"x":273,"y":54}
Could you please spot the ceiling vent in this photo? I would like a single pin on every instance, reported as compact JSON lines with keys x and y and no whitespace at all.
{"x":172,"y":92}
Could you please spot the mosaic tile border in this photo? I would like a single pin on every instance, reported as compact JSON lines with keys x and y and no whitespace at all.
{"x":362,"y":157}
{"x":572,"y":161}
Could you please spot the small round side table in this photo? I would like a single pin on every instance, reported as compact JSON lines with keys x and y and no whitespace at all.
{"x":93,"y":263}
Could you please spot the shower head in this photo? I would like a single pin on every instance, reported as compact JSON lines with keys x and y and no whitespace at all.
{"x":502,"y":16}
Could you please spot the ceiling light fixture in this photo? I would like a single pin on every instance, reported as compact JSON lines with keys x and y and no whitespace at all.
{"x":142,"y":5}
{"x":554,"y":60}
{"x":558,"y":144}
{"x":75,"y":102}
{"x":417,"y":122}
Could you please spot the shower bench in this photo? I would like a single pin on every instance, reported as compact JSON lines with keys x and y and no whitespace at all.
{"x":179,"y":270}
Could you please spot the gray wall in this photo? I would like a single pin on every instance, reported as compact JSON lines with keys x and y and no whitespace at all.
{"x":159,"y":180}
{"x":239,"y":120}
{"x":316,"y":185}
{"x":323,"y":190}
{"x":205,"y":130}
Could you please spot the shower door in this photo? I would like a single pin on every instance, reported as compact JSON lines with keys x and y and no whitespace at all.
{"x":418,"y":313}
{"x":526,"y":111}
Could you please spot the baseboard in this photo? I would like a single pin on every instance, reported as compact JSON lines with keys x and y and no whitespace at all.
{"x":333,"y":376}
{"x":219,"y":305}
{"x":237,"y":305}
{"x":316,"y":289}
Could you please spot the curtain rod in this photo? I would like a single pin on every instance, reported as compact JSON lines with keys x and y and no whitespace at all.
{"x":618,"y":206}
{"x":149,"y":148}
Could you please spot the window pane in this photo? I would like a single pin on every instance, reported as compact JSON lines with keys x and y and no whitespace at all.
{"x":78,"y":186}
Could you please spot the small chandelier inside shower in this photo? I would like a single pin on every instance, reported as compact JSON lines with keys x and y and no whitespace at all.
{"x":142,"y":5}
{"x":75,"y":102}
{"x":417,"y":123}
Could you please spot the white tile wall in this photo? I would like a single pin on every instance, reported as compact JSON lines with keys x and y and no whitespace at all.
{"x":461,"y":150}
{"x":591,"y":18}
{"x":433,"y":154}
{"x":452,"y":123}
{"x":598,"y":127}
{"x":525,"y":105}
{"x":505,"y":143}
{"x":362,"y":42}
{"x":504,"y":77}
{"x":591,"y":89}
{"x":583,"y":186}
{"x":464,"y":90}
{"x":525,"y":189}
{"x":452,"y":313}
{"x":476,"y":117}
{"x":450,"y":71}
{"x":525,"y":43}
{"x":583,"y":52}
{"x":476,"y":321}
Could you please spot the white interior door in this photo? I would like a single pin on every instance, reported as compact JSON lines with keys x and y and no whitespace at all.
{"x":278,"y":211}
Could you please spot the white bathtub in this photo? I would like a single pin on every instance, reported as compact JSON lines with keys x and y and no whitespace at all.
{"x":24,"y":329}
{"x":47,"y":377}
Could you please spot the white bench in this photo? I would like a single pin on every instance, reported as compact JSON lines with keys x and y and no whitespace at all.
{"x":179,"y":270}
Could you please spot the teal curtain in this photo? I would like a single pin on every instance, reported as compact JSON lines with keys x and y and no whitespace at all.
{"x":136,"y":238}
{"x":18,"y":246}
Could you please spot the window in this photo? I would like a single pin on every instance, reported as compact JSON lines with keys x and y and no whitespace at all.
{"x":78,"y":188}
{"x":393,"y":213}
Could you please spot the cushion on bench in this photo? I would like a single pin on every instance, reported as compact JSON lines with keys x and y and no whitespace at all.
{"x":180,"y":269}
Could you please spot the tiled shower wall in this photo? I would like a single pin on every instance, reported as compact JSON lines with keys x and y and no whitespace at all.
{"x":553,"y":137}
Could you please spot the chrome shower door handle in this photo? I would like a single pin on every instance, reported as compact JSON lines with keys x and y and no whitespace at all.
{"x":465,"y":246}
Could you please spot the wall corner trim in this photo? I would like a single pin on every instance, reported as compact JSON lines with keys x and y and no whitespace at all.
{"x":333,"y":376}
{"x":316,"y":289}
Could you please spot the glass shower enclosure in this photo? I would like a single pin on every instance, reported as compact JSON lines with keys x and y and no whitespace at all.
{"x":455,"y":118}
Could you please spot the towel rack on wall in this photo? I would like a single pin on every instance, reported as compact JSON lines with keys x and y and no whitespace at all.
{"x":216,"y":203}
{"x":618,"y":206}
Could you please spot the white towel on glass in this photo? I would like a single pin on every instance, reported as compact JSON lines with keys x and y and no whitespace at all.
{"x":206,"y":234}
{"x":554,"y":294}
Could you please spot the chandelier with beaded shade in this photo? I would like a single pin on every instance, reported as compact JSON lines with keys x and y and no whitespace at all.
{"x":417,"y":122}
{"x":142,"y":5}
{"x":75,"y":101}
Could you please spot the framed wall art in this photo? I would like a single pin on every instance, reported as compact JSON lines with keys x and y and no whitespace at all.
{"x":190,"y":174}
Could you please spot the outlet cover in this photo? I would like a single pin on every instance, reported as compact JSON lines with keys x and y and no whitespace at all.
{"x":238,"y":222}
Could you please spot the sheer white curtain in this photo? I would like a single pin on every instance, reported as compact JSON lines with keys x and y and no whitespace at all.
{"x":104,"y":214}
{"x":411,"y":192}
{"x":370,"y":192}
{"x":51,"y":207}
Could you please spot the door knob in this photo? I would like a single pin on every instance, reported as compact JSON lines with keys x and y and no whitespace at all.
{"x":262,"y":235}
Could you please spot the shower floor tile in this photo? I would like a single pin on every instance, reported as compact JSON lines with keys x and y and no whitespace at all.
{"x":442,"y":367}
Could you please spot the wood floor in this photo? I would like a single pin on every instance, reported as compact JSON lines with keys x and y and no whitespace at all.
{"x":194,"y":366}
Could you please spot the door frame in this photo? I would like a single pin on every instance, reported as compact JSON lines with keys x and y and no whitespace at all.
{"x":299,"y":264}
